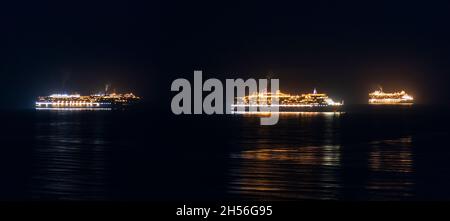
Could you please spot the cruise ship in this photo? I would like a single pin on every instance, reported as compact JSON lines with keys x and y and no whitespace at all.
{"x":380,"y":97}
{"x":94,"y":101}
{"x":310,"y":102}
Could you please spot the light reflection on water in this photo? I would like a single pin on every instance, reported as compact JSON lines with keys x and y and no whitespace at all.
{"x":69,"y":158}
{"x":287,"y":173}
{"x":288,"y":160}
{"x":304,"y":157}
{"x":391,"y":168}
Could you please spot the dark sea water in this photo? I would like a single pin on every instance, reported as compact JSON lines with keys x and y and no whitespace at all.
{"x":367,"y":153}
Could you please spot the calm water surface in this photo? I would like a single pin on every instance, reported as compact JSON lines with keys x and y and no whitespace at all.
{"x":364,"y":154}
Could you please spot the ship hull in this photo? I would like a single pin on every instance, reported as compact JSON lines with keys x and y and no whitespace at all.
{"x":390,"y":103}
{"x":288,"y":109}
{"x":91,"y":106}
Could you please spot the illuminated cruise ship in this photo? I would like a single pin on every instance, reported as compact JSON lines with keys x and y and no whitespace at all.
{"x":77,"y":101}
{"x":311,"y":102}
{"x":380,"y":97}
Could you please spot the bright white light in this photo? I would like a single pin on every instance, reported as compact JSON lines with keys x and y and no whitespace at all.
{"x":64,"y":95}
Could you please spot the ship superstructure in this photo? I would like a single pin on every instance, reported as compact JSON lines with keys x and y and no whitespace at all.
{"x":287,"y":102}
{"x":380,"y":97}
{"x":78,"y":101}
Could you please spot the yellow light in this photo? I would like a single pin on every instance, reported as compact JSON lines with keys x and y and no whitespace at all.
{"x":380,"y":97}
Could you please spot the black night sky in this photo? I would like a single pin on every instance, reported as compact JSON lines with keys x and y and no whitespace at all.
{"x":343,"y":48}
